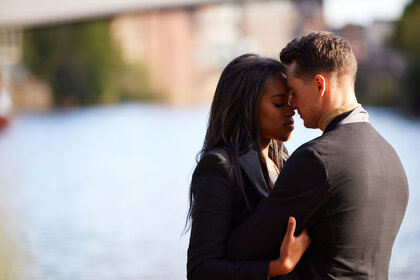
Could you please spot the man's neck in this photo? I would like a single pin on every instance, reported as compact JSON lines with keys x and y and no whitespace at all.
{"x":340,"y":101}
{"x":329,"y":116}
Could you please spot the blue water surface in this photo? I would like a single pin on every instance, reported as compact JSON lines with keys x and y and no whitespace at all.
{"x":102,"y":193}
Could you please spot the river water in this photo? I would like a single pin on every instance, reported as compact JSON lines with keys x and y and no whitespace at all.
{"x":101,"y":193}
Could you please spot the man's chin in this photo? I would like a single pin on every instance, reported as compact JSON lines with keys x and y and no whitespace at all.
{"x":309,"y":125}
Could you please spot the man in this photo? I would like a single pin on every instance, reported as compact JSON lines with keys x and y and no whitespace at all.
{"x":347,"y":187}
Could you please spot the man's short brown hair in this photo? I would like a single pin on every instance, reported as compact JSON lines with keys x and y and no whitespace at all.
{"x":320,"y":52}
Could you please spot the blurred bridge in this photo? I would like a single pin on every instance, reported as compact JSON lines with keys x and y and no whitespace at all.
{"x":26,"y":13}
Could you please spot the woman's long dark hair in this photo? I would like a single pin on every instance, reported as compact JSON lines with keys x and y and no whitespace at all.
{"x":234,"y":115}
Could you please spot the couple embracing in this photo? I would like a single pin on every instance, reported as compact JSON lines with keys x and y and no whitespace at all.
{"x":344,"y":194}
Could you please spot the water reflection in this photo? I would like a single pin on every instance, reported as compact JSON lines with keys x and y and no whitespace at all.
{"x":102,"y":192}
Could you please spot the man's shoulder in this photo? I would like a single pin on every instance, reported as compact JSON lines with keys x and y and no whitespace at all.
{"x":329,"y":144}
{"x":311,"y":147}
{"x":307,"y":157}
{"x":339,"y":136}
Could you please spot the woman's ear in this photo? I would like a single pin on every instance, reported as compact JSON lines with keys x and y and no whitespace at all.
{"x":321,"y":84}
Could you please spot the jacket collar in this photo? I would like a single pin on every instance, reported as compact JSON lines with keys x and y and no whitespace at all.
{"x":357,"y":115}
{"x":328,"y":117}
{"x":250,"y":163}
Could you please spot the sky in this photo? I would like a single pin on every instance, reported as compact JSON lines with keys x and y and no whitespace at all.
{"x":340,"y":12}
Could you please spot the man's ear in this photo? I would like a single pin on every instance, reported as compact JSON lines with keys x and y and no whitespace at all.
{"x":321,"y":84}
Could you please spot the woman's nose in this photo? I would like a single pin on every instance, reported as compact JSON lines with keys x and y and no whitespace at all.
{"x":290,"y":111}
{"x":292,"y":101}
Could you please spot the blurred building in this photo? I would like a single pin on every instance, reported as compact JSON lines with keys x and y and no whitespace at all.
{"x":185,"y":49}
{"x":356,"y":35}
{"x":183,"y":44}
{"x":379,"y":66}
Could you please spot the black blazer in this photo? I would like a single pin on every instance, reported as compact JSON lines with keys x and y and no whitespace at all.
{"x":219,"y":207}
{"x":349,"y":189}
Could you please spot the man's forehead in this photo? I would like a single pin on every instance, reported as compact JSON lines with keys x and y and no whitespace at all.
{"x":291,"y":78}
{"x":291,"y":69}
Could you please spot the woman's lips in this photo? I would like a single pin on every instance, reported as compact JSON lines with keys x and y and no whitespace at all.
{"x":290,"y":125}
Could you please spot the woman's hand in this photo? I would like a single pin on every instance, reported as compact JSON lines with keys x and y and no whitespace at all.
{"x":291,"y":250}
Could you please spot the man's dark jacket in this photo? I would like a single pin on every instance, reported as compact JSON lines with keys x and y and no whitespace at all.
{"x":349,"y":189}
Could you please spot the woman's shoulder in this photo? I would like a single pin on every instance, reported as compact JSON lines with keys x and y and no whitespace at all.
{"x":216,"y":160}
{"x":219,"y":154}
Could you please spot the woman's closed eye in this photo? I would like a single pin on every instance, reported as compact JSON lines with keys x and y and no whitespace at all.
{"x":279,"y":99}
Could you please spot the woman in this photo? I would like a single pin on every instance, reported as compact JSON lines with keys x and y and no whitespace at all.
{"x":241,"y":158}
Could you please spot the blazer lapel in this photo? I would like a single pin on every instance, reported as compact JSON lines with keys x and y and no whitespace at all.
{"x":251,"y":165}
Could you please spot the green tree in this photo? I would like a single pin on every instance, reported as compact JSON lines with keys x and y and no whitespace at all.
{"x":406,"y":38}
{"x":82,"y":66}
{"x":75,"y":59}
